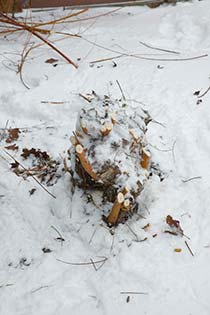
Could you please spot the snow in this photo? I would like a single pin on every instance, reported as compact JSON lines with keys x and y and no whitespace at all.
{"x":33,"y":282}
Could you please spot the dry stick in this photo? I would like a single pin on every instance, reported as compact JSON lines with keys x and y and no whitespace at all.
{"x":131,"y":230}
{"x":106,"y":59}
{"x":94,"y":266}
{"x":138,"y":56}
{"x":38,"y":182}
{"x":192,"y":178}
{"x":23,"y":58}
{"x":159,"y":49}
{"x":54,"y":102}
{"x":54,"y":48}
{"x":83,"y":263}
{"x":31,"y":30}
{"x":40,"y":288}
{"x":199,"y":96}
{"x":60,"y":19}
{"x":85,"y":98}
{"x":131,"y":292}
{"x":123,"y":95}
{"x":189,"y":248}
{"x":93,"y":17}
{"x":56,"y":230}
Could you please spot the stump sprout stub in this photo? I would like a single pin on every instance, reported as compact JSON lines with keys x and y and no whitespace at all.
{"x":109,"y":154}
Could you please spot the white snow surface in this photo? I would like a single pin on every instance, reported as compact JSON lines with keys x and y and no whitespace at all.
{"x":33,"y":282}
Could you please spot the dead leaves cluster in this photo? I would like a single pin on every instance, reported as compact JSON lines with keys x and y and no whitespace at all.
{"x":13,"y":135}
{"x":41,"y":165}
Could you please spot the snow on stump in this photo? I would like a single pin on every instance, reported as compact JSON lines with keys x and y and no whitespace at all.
{"x":109,"y":154}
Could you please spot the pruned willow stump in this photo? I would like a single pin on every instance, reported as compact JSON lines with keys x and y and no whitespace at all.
{"x":109,"y":154}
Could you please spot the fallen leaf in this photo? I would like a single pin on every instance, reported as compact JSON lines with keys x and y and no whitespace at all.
{"x":51,"y":60}
{"x":12,"y":147}
{"x":170,"y":221}
{"x":13,"y":134}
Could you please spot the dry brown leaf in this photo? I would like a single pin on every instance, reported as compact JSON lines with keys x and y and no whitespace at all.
{"x":13,"y":134}
{"x":51,"y":60}
{"x":12,"y":147}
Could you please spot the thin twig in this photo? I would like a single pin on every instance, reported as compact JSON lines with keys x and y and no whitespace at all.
{"x":134,"y":292}
{"x":172,"y":151}
{"x":54,"y":102}
{"x":83,"y":263}
{"x":141,"y":56}
{"x":85,"y":98}
{"x":56,"y":230}
{"x":6,"y":285}
{"x":192,"y":178}
{"x":131,"y":230}
{"x":40,"y":288}
{"x":38,"y":182}
{"x":106,"y":59}
{"x":204,"y":92}
{"x":36,"y":32}
{"x":123,"y":95}
{"x":94,"y":266}
{"x":159,"y":49}
{"x":189,"y":248}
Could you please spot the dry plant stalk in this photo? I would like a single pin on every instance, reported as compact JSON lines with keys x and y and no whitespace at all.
{"x":18,"y":26}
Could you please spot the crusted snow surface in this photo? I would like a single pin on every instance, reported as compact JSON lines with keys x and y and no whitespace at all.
{"x":132,"y":259}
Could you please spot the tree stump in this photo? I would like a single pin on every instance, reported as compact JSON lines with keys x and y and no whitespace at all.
{"x":109,"y":154}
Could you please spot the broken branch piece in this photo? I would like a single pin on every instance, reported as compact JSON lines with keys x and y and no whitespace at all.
{"x":145,"y":159}
{"x":84,"y":162}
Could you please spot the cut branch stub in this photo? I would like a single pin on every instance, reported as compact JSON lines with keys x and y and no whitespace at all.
{"x":126,"y":205}
{"x":84,"y":162}
{"x":145,"y":159}
{"x":114,"y":214}
{"x":134,"y":136}
{"x":118,"y":205}
{"x":84,"y":128}
{"x":73,"y":140}
{"x":106,"y":129}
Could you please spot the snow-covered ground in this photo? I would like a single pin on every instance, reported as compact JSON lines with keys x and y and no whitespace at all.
{"x":139,"y":273}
